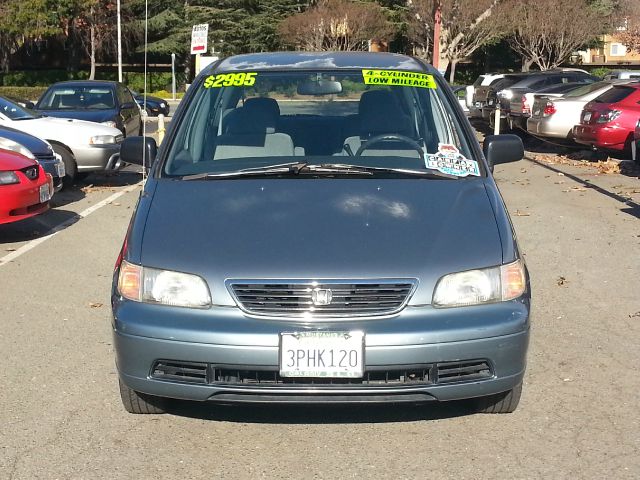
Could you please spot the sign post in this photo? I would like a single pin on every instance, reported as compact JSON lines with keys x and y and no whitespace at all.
{"x":199,"y":34}
{"x":173,"y":76}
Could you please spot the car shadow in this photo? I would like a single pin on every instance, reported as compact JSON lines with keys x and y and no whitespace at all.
{"x":632,"y":208}
{"x":320,"y":414}
{"x":36,"y":227}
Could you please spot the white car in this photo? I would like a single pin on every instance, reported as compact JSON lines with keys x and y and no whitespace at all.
{"x":84,"y":146}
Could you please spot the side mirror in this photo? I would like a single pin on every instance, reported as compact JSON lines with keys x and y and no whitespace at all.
{"x":502,"y":149}
{"x":29,"y":105}
{"x":131,"y":150}
{"x":127,"y":106}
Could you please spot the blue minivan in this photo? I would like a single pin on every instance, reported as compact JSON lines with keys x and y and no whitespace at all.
{"x":320,"y":228}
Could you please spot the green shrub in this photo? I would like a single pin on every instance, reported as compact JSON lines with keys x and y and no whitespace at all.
{"x":600,"y":72}
{"x":23,"y":93}
{"x":166,"y":95}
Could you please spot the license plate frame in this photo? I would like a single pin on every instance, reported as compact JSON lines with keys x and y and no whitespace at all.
{"x":45,"y":193}
{"x":338,"y":349}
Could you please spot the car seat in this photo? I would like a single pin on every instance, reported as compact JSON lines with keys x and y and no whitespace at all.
{"x":380,"y":113}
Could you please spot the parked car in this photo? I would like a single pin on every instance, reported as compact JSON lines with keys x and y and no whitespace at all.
{"x":109,"y":103}
{"x":353,"y":251}
{"x":85,"y":147}
{"x":521,"y":106}
{"x":636,"y":150}
{"x":35,"y":149}
{"x":460,"y":92}
{"x":475,"y":103}
{"x":25,"y":188}
{"x":521,"y":91}
{"x":154,"y":105}
{"x":556,"y":117}
{"x":609,"y":121}
{"x":622,"y":75}
{"x":489,"y":98}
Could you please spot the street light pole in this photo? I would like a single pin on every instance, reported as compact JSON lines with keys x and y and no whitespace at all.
{"x":119,"y":44}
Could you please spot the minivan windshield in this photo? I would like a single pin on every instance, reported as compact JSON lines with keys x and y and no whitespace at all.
{"x":369,"y":118}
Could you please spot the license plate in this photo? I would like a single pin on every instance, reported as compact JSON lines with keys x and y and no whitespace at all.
{"x":587,"y":117}
{"x":536,"y":113}
{"x":322,"y":354}
{"x":45,"y":194}
{"x":490,"y":102}
{"x":60,"y":169}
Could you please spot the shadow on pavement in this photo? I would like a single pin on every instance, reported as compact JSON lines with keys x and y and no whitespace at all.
{"x":632,"y":208}
{"x":320,"y":414}
{"x":34,"y":227}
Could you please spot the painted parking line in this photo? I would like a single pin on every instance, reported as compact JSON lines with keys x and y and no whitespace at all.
{"x":67,"y":223}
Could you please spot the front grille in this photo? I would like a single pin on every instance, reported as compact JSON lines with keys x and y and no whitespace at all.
{"x":45,"y":157}
{"x":323,"y":299}
{"x":31,"y":172}
{"x":423,"y":374}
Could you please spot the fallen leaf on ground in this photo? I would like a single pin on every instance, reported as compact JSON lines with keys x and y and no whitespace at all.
{"x":95,"y":305}
{"x":637,"y":314}
{"x":561,"y":280}
{"x":10,"y":249}
{"x":522,"y":214}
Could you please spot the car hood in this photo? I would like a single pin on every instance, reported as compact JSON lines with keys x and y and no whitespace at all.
{"x":14,"y":161}
{"x":87,"y":115}
{"x":321,"y":229}
{"x":68,"y":131}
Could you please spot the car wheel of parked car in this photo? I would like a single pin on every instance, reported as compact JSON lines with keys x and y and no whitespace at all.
{"x":69,"y":164}
{"x":136,"y":402}
{"x":505,"y":402}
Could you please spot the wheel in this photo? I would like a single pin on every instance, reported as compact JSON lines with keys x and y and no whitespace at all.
{"x":140,"y":403}
{"x":505,"y":402}
{"x":70,"y":165}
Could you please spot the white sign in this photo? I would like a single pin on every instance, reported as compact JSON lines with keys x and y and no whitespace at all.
{"x":199,"y":35}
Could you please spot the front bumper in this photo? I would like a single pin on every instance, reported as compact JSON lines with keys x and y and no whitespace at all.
{"x":224,"y":339}
{"x":22,"y":200}
{"x":92,"y":158}
{"x":548,"y":127}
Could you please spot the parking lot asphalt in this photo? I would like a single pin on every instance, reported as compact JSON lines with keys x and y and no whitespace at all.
{"x":61,"y":417}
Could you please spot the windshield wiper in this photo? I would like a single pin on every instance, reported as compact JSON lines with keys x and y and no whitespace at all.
{"x":283,"y":168}
{"x":343,"y":167}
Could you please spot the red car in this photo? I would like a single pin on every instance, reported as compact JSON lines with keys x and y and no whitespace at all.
{"x":25,"y":188}
{"x":609,"y":121}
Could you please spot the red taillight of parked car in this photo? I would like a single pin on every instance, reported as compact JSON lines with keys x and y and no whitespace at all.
{"x":549,"y":109}
{"x":608,"y":116}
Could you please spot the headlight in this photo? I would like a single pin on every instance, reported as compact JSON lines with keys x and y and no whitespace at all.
{"x":16,"y":147}
{"x":150,"y":285}
{"x":7,"y":178}
{"x":102,"y":140}
{"x":110,"y":123}
{"x":473,"y":287}
{"x":508,"y":94}
{"x":162,"y":105}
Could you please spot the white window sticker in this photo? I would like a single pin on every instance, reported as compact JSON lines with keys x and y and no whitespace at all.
{"x":449,"y":160}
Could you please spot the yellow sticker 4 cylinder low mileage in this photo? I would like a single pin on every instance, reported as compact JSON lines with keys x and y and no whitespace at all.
{"x":241,"y":79}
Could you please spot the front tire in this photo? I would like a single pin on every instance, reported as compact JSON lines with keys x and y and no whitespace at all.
{"x":140,"y":403}
{"x":505,"y":402}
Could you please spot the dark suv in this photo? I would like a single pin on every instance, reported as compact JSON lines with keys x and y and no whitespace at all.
{"x":109,"y":103}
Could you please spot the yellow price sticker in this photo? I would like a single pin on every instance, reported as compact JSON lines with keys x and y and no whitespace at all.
{"x":242,"y":79}
{"x":398,"y":78}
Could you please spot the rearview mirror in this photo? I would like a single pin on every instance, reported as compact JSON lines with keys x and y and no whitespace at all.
{"x":131,"y":150}
{"x":319,"y":87}
{"x":504,"y":148}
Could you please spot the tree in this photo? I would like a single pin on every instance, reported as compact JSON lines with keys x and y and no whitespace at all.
{"x":336,"y":25}
{"x":465,"y":27}
{"x":546,"y":37}
{"x":629,"y":19}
